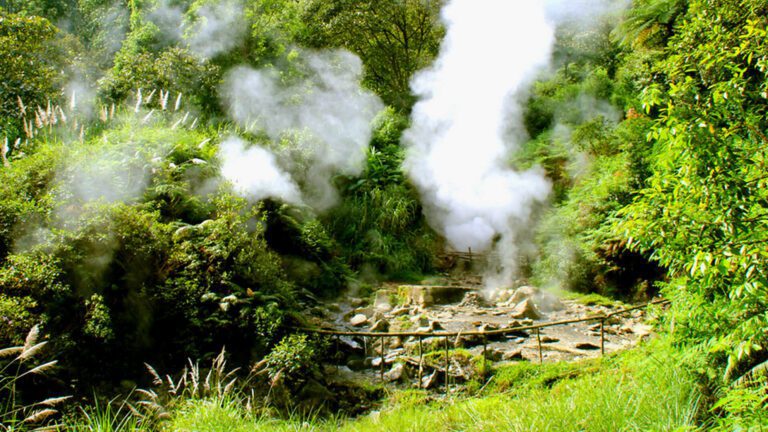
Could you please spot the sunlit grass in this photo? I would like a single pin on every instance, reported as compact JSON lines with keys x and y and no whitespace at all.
{"x":641,"y":390}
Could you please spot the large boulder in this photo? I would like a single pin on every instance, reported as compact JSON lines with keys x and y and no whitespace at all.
{"x":429,"y":295}
{"x":526,"y":309}
{"x":524,"y":293}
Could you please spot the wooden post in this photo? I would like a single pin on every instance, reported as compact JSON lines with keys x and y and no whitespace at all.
{"x":446,"y":365}
{"x":538,"y":338}
{"x":602,"y":337}
{"x":381,"y":369}
{"x":485,"y":357}
{"x":470,"y":256}
{"x":421,"y":359}
{"x":336,"y":356}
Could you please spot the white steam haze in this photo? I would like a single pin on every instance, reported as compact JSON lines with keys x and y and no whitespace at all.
{"x":468,"y":123}
{"x":219,"y":27}
{"x":326,"y":114}
{"x":211,"y":29}
{"x":254,"y":172}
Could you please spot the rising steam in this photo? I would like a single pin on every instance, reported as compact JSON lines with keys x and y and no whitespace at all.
{"x":254,"y":172}
{"x":326,"y":115}
{"x":468,"y":122}
{"x":464,"y":126}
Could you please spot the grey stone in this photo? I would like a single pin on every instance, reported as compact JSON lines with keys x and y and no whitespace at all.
{"x":526,"y":309}
{"x":359,"y":320}
{"x":397,"y":373}
{"x":429,"y":381}
{"x":381,"y":325}
{"x":356,"y":302}
{"x":516,"y":354}
{"x":589,"y":346}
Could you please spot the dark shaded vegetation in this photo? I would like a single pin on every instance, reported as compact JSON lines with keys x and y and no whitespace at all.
{"x":652,"y":129}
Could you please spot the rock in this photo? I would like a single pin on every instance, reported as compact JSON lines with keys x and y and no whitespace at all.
{"x":503,"y":295}
{"x":348,"y":346}
{"x":314,"y":394}
{"x":549,"y":339}
{"x":420,"y":321}
{"x":516,"y":354}
{"x":334,"y":307}
{"x":381,"y":325}
{"x":359,"y":320}
{"x":356,"y":302}
{"x":523,"y":293}
{"x":400,"y":311}
{"x":625,"y":329}
{"x":430,"y":295}
{"x":595,"y":327}
{"x":429,"y":381}
{"x":472,"y":299}
{"x":397,"y":373}
{"x":356,"y":364}
{"x":526,"y":309}
{"x":434,"y":325}
{"x":382,"y":302}
{"x":589,"y":346}
{"x":494,"y":354}
{"x":396,"y":343}
{"x":489,"y":328}
{"x":549,"y":303}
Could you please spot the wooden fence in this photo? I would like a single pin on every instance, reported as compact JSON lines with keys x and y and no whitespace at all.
{"x":602,"y":318}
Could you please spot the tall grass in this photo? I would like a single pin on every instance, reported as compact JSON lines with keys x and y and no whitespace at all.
{"x":16,"y":414}
{"x":645,"y":389}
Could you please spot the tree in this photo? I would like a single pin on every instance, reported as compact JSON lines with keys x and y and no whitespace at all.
{"x":27,"y":68}
{"x":394,"y":38}
{"x":704,"y":210}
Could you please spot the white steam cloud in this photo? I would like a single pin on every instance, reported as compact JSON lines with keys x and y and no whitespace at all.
{"x":460,"y":141}
{"x":468,"y":122}
{"x":254,"y":172}
{"x":211,"y":29}
{"x":327,"y":114}
{"x":218,"y":28}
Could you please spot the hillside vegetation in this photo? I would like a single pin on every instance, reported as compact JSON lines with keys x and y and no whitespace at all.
{"x":130,"y":236}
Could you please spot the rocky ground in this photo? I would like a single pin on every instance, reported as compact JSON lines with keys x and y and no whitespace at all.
{"x":435,"y":309}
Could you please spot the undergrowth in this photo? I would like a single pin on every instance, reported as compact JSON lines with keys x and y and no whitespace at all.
{"x":639,"y":390}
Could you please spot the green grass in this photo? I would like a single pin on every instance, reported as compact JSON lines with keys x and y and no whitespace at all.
{"x":592,"y":299}
{"x":640,"y":390}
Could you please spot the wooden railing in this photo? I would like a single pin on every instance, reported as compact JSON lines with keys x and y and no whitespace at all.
{"x":602,"y":318}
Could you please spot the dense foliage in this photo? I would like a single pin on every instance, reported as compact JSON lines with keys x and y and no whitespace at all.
{"x":120,"y":239}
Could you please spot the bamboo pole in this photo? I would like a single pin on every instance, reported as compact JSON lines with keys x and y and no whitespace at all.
{"x":538,"y":338}
{"x":381,"y":370}
{"x":446,"y":365}
{"x":485,"y":357}
{"x":421,"y":360}
{"x":602,"y":337}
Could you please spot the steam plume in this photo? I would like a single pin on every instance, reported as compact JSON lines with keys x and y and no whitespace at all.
{"x":219,"y":28}
{"x":254,"y":172}
{"x":326,"y":115}
{"x":464,"y":126}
